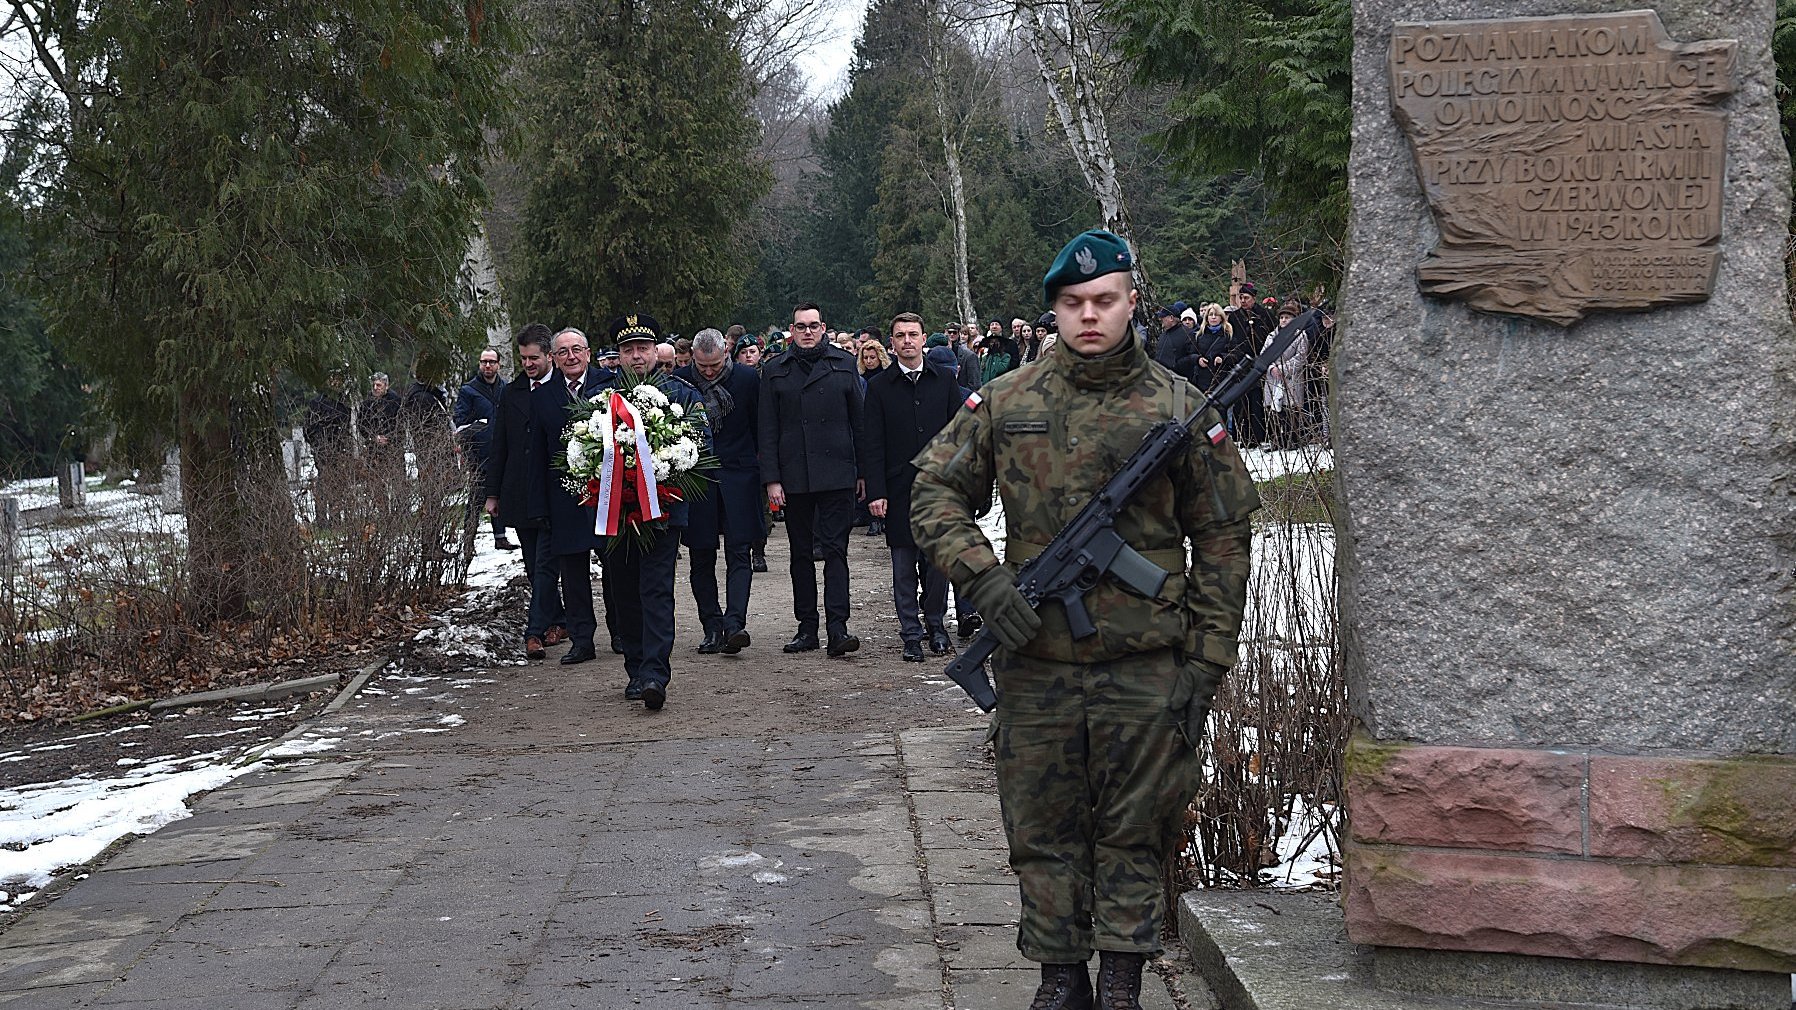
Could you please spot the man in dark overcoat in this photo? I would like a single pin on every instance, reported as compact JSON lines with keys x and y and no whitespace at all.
{"x":516,"y":490}
{"x":570,"y":526}
{"x":732,"y":512}
{"x":811,"y":434}
{"x":476,"y":405}
{"x":906,"y":405}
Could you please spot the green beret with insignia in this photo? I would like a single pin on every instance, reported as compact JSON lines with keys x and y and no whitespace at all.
{"x":1093,"y":254}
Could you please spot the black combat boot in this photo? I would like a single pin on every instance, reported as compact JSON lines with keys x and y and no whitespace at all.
{"x":1063,"y":987}
{"x":1119,"y":980}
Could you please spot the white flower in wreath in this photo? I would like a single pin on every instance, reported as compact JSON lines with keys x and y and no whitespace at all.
{"x":662,"y":469}
{"x":624,"y":434}
{"x":650,"y":395}
{"x":576,"y":454}
{"x":582,"y":428}
{"x":678,"y":411}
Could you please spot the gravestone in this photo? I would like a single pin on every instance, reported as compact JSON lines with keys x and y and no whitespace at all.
{"x":12,"y":525}
{"x":171,"y":482}
{"x":71,"y":485}
{"x":291,"y":456}
{"x":1566,"y":441}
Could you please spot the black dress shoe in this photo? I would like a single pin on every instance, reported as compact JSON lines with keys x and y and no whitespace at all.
{"x":804,"y":641}
{"x":617,"y":646}
{"x":578,"y":654}
{"x":505,"y":545}
{"x":969,"y":626}
{"x":653,"y":697}
{"x":633,"y":691}
{"x":939,"y":642}
{"x":735,"y":642}
{"x":876,"y":527}
{"x":913,"y":652}
{"x":760,"y":562}
{"x":713,"y":642}
{"x":842,"y":644}
{"x":817,"y":552}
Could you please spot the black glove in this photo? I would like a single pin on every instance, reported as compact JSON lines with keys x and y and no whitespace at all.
{"x":1191,"y":695}
{"x":1009,"y":616}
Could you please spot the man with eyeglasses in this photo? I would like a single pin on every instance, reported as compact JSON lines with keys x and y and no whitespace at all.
{"x":810,"y":437}
{"x":571,"y":536}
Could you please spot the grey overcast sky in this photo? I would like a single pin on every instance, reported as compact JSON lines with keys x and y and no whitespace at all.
{"x":827,"y":67}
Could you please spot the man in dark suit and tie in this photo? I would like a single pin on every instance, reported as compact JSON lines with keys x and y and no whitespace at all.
{"x":516,"y":489}
{"x":571,"y":536}
{"x":907,"y":405}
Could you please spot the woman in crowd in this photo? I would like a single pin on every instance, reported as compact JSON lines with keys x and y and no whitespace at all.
{"x":1284,"y":384}
{"x":1218,"y":348}
{"x":873,"y":360}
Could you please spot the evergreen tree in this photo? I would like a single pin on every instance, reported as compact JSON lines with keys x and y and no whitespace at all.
{"x":1263,"y":86}
{"x":251,"y":189}
{"x":641,"y":179}
{"x":43,"y":402}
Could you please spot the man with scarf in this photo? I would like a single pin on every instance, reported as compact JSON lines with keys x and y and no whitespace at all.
{"x":732,"y":511}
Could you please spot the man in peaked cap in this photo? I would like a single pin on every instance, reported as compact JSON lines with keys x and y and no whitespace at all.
{"x":1095,"y":737}
{"x":639,"y":578}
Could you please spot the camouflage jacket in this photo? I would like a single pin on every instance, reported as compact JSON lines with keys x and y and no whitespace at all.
{"x":1050,"y":434}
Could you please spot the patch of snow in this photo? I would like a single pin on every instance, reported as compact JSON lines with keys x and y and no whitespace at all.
{"x":301,"y":745}
{"x":47,"y":826}
{"x":1267,"y":464}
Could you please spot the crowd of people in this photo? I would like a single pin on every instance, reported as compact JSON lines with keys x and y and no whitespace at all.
{"x":823,"y":429}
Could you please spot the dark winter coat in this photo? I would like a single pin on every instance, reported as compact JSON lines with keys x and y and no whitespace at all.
{"x":327,"y":426}
{"x":811,"y":423}
{"x":969,"y":366}
{"x":478,"y":401}
{"x":514,"y":472}
{"x":1176,"y":351}
{"x":570,"y":525}
{"x":902,"y":417}
{"x":733,"y":508}
{"x":1220,"y":348}
{"x":379,"y":415}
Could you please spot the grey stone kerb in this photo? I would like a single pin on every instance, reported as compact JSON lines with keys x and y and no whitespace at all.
{"x":1582,"y":536}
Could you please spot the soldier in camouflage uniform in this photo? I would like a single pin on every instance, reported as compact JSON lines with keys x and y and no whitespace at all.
{"x":1096,"y":738}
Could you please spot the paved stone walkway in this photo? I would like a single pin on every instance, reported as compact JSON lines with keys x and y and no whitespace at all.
{"x":521,"y":838}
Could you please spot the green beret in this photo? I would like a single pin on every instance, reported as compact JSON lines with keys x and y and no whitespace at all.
{"x":937,"y":340}
{"x":1093,"y":254}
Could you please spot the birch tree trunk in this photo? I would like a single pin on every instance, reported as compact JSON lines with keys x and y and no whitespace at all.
{"x":1072,"y":90}
{"x":957,"y":190}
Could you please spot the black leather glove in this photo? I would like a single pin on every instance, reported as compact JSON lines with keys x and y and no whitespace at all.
{"x":1191,"y":695}
{"x":1006,"y":612}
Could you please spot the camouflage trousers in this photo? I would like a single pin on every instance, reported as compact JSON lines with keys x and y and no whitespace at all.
{"x":1094,"y":774}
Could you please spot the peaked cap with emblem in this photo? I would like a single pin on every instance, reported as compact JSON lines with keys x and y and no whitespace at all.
{"x":635,"y":326}
{"x":1093,"y":254}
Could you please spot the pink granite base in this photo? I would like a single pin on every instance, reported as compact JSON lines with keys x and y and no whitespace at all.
{"x":1682,"y":861}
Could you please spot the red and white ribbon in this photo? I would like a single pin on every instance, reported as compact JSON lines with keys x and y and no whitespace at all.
{"x":614,"y":478}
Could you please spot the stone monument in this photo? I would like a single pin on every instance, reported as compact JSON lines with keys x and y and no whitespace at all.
{"x":1566,"y":442}
{"x":171,"y":481}
{"x":71,"y":485}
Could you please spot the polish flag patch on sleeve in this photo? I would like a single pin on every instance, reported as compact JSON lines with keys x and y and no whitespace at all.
{"x":974,"y":400}
{"x":1217,"y":434}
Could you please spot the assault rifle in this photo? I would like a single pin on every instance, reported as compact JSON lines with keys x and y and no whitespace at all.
{"x":1089,"y":547}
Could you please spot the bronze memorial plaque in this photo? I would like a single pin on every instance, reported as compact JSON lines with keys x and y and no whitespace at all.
{"x":1573,"y":163}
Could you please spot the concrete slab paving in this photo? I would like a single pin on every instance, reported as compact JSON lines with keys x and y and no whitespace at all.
{"x":184,"y":843}
{"x":555,"y":848}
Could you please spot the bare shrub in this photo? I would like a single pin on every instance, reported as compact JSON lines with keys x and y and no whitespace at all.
{"x":1279,"y":723}
{"x":101,"y":608}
